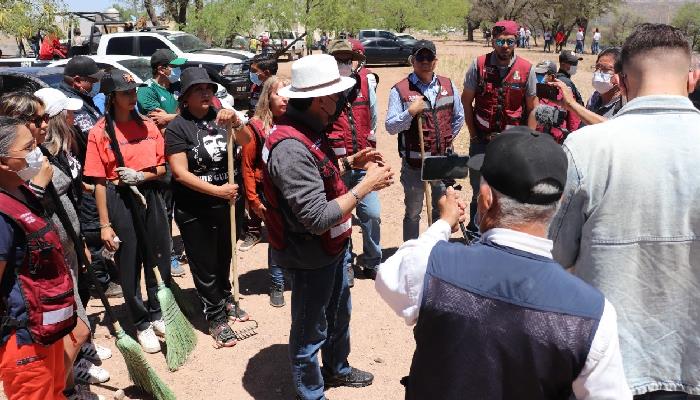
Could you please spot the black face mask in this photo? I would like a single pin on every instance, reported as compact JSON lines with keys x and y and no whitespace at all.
{"x":339,"y":107}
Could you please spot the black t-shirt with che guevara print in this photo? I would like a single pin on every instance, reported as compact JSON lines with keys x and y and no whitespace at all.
{"x":204,"y":143}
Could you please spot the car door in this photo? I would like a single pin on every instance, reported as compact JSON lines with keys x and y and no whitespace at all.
{"x":372,"y":52}
{"x":120,"y":45}
{"x":391,"y":51}
{"x":149,"y":44}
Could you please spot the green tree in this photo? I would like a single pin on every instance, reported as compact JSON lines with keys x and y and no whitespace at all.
{"x":22,"y":19}
{"x":687,"y":19}
{"x":219,"y":21}
{"x":623,"y":23}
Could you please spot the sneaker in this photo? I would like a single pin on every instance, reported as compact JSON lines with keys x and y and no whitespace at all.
{"x":95,"y":352}
{"x":249,"y":240}
{"x":175,"y":267}
{"x":113,"y":290}
{"x":351,"y":275}
{"x":356,"y":378}
{"x":82,"y":393}
{"x":277,"y":296}
{"x":86,"y":372}
{"x":148,"y":340}
{"x":159,"y":327}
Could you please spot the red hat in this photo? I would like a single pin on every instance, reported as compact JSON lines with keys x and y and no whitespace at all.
{"x":505,"y":27}
{"x":357,"y":46}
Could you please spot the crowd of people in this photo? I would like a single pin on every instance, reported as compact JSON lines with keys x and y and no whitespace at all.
{"x":580,"y":281}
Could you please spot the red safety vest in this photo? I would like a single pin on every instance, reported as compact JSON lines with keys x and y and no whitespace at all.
{"x":334,"y":240}
{"x":500,"y":103}
{"x":352,"y":131}
{"x":437,"y":122}
{"x":44,"y":280}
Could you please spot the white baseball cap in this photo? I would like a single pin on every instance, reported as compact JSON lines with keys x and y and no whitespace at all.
{"x":316,"y":76}
{"x":55,"y":101}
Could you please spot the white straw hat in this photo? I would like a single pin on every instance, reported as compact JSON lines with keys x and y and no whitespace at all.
{"x":55,"y":101}
{"x":316,"y":76}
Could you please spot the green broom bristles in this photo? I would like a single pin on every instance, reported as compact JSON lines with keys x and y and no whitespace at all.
{"x":186,"y":305}
{"x":140,"y":372}
{"x":179,"y":333}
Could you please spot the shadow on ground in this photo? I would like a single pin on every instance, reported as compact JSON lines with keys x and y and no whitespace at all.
{"x":267,"y":375}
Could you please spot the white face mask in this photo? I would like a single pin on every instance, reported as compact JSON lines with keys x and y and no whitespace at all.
{"x":601,"y":82}
{"x":34,"y":161}
{"x":572,"y":70}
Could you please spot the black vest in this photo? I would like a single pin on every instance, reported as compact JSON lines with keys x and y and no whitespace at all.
{"x":499,"y":323}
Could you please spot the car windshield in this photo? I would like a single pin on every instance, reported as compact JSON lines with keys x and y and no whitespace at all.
{"x":141,"y":67}
{"x":282,"y":35}
{"x":187,"y":43}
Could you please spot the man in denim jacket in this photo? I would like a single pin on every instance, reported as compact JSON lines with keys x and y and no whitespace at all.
{"x":629,"y":222}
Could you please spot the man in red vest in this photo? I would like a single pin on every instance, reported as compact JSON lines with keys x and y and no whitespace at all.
{"x":309,"y":225}
{"x":435,"y":99}
{"x":352,"y":132}
{"x":500,"y":91}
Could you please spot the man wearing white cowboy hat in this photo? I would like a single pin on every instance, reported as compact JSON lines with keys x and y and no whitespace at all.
{"x":309,"y":224}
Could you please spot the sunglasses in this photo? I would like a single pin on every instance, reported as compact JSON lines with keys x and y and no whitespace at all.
{"x":501,"y":42}
{"x":39,"y":119}
{"x":425,"y":57}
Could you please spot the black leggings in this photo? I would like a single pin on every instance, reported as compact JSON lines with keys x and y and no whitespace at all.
{"x":207,"y":240}
{"x":129,"y":259}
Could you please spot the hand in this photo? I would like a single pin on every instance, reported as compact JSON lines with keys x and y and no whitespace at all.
{"x":107,"y":235}
{"x":260,"y":210}
{"x":378,"y":177}
{"x":567,"y":96}
{"x":225,"y":117}
{"x":160,"y":117}
{"x":417,"y":106}
{"x":129,"y":176}
{"x":452,"y":209}
{"x":43,"y":178}
{"x":364,"y":157}
{"x":226,"y":191}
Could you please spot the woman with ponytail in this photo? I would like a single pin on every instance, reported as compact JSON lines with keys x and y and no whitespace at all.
{"x":127,"y":191}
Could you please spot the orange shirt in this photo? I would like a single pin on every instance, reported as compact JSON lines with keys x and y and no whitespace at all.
{"x":252,"y":165}
{"x":142,"y":147}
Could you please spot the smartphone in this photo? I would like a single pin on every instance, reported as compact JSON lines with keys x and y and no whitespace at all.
{"x":444,"y":167}
{"x":549,"y":92}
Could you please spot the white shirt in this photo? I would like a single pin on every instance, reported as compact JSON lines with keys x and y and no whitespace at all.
{"x":579,"y":35}
{"x":400,"y":283}
{"x":596,"y":36}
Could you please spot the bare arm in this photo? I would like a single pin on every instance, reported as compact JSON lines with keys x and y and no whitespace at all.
{"x":153,"y":173}
{"x":179,"y":165}
{"x":467,"y":100}
{"x":531,"y":102}
{"x":571,"y":105}
{"x":107,"y":234}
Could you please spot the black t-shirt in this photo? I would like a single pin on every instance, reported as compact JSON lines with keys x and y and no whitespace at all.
{"x":695,"y":98}
{"x":204,"y":143}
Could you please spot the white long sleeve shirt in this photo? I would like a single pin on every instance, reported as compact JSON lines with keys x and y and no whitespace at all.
{"x":400,"y":283}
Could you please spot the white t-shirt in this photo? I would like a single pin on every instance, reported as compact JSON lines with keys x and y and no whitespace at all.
{"x":528,"y":33}
{"x":579,"y":35}
{"x":596,"y":36}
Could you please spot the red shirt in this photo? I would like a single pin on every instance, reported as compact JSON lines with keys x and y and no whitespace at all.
{"x":142,"y":147}
{"x":252,"y":165}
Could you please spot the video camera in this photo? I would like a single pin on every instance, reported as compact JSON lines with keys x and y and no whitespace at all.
{"x":551,"y":117}
{"x":448,"y":169}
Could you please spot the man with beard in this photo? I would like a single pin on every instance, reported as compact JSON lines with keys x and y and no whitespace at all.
{"x":309,"y":225}
{"x":502,"y":88}
{"x":422,"y":93}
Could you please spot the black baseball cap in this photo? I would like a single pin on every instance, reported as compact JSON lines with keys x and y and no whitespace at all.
{"x":166,"y":57}
{"x":423,"y":44}
{"x":569,"y":57}
{"x":118,"y":80}
{"x":519,"y":159}
{"x":83,"y":66}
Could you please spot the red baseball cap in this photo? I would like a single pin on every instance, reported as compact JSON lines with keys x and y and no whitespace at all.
{"x":505,"y":27}
{"x":357,"y":46}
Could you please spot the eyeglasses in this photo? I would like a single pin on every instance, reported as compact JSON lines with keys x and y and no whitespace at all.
{"x":603,"y":68}
{"x":39,"y":119}
{"x":501,"y":42}
{"x":425,"y":57}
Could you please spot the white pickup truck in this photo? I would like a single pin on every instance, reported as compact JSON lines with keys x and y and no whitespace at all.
{"x":282,"y":39}
{"x":233,"y":65}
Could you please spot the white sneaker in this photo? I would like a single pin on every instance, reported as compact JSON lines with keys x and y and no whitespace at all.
{"x":95,"y":352}
{"x":84,"y":371}
{"x":148,"y":340}
{"x":83,"y":393}
{"x":159,"y":327}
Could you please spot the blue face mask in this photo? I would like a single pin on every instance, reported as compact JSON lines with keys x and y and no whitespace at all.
{"x":95,"y":89}
{"x":255,"y":78}
{"x":174,"y":74}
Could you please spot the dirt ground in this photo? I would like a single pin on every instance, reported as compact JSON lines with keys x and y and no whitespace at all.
{"x":258,"y":367}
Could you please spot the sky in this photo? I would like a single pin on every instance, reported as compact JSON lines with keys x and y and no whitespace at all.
{"x":89,"y":5}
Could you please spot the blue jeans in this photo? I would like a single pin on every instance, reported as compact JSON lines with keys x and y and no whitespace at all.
{"x":579,"y":46}
{"x":414,"y":193}
{"x":661,"y":395}
{"x":595,"y":47}
{"x":368,"y":211}
{"x":276,"y":275}
{"x":320,"y":321}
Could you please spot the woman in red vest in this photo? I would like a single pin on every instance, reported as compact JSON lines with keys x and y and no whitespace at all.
{"x":32,"y":331}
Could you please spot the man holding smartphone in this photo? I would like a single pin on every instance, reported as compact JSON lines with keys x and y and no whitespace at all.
{"x":502,"y":88}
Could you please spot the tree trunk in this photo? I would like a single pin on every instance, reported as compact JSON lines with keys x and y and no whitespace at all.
{"x":182,"y":13}
{"x":148,"y":5}
{"x":470,"y":31}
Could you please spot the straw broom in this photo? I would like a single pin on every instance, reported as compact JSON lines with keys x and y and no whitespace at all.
{"x":140,"y":373}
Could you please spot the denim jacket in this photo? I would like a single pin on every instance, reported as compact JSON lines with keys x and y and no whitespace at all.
{"x":629,"y":224}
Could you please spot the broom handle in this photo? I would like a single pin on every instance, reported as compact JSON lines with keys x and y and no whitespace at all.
{"x":79,"y":247}
{"x":232,"y":205}
{"x":426,"y":185}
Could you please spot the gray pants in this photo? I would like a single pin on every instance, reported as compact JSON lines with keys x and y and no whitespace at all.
{"x":414,"y":193}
